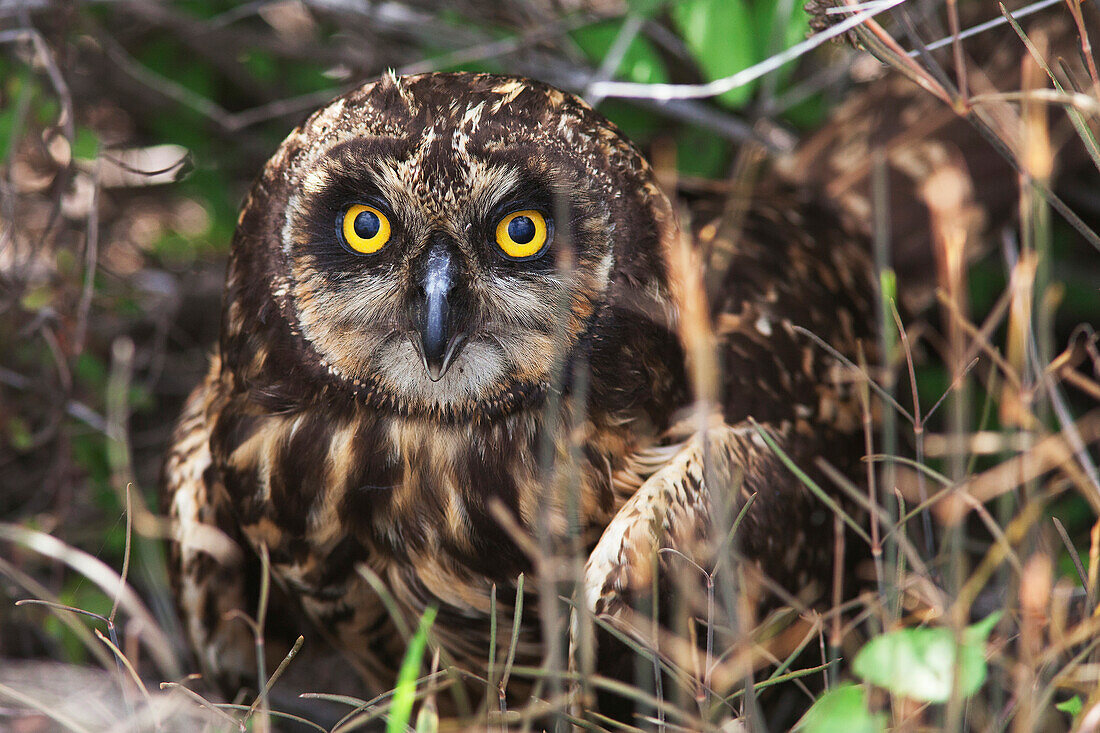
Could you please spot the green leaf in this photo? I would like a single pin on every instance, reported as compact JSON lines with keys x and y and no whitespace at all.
{"x":261,"y":64}
{"x":1073,"y":706}
{"x":765,"y":17}
{"x":639,"y":64}
{"x":405,"y":692}
{"x":841,"y":710}
{"x":7,"y":131}
{"x":920,"y":663}
{"x":37,"y":298}
{"x":720,"y":35}
{"x":977,"y":634}
{"x":85,"y":144}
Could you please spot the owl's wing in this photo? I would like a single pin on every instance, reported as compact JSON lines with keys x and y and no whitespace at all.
{"x":207,"y":564}
{"x":670,"y":509}
{"x":216,"y":575}
{"x":674,"y":509}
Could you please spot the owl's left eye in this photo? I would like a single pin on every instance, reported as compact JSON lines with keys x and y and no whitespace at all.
{"x":364,"y":229}
{"x":523,"y":234}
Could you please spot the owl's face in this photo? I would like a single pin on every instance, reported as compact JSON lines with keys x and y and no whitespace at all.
{"x":447,"y":240}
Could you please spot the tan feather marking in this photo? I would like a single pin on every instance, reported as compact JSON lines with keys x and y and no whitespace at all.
{"x":456,"y":518}
{"x":456,"y":591}
{"x":260,"y":453}
{"x":264,"y":532}
{"x":510,"y":90}
{"x":325,"y":525}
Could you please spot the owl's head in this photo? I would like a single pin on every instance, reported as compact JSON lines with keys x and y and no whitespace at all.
{"x":440,"y":244}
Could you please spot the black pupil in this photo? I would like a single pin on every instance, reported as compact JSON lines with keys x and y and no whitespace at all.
{"x":367,"y":224}
{"x":521,"y":229}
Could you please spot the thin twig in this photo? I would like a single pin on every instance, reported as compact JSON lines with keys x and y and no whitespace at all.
{"x":635,"y":90}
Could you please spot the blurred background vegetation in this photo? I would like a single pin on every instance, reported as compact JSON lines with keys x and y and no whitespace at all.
{"x":130,"y":131}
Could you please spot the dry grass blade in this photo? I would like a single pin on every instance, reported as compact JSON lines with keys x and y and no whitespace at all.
{"x":1073,"y":554}
{"x":611,"y":722}
{"x":1072,"y":109}
{"x":358,"y":705}
{"x":517,"y":618}
{"x":1072,"y":101}
{"x":261,"y":704}
{"x":618,"y":687}
{"x":895,"y":530}
{"x":130,"y":670}
{"x":886,"y":396}
{"x":986,"y":26}
{"x":203,"y":702}
{"x":1054,"y":451}
{"x":108,"y":581}
{"x":276,"y":675}
{"x":382,"y":708}
{"x":275,"y":714}
{"x":927,"y":470}
{"x":125,"y":553}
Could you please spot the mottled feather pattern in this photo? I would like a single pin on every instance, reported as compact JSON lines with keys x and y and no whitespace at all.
{"x":319,"y":437}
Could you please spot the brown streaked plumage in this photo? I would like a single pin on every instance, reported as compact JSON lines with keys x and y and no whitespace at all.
{"x":322,"y":434}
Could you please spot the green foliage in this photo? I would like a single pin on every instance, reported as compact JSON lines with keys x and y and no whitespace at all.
{"x":1073,"y":706}
{"x":808,"y":113}
{"x":77,"y":593}
{"x":921,"y":663}
{"x":635,"y":122}
{"x":727,"y":36}
{"x":7,"y":131}
{"x":771,"y":38}
{"x":720,"y":34}
{"x":405,"y":692}
{"x":85,"y":143}
{"x":640,"y":63}
{"x":23,"y":97}
{"x":37,"y":297}
{"x":842,"y":710}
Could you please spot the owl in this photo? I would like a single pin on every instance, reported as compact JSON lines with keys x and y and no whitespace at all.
{"x":453,"y":338}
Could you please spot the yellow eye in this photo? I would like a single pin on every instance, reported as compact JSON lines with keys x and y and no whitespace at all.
{"x":522,"y":234}
{"x":365,"y":229}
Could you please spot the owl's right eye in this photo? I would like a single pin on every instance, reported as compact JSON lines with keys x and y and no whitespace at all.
{"x":364,"y":229}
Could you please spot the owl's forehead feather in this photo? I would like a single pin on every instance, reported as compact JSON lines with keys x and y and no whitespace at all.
{"x":462,"y":115}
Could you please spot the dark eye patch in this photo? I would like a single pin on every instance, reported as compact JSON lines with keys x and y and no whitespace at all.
{"x":561,"y":203}
{"x":349,"y":182}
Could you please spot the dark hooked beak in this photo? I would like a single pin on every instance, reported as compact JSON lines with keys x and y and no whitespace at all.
{"x":438,"y":343}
